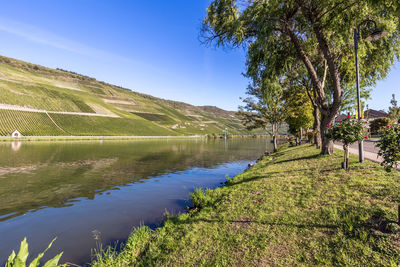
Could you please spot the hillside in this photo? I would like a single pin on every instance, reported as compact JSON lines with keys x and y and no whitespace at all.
{"x":39,"y":101}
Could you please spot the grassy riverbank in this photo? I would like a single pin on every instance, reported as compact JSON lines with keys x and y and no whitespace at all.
{"x":294,"y":207}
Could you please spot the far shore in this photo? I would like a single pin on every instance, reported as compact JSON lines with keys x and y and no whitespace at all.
{"x":111,"y":137}
{"x":82,"y":138}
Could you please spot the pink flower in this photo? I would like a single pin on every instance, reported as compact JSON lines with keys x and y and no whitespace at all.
{"x":366,"y":137}
{"x":329,"y":125}
{"x":349,"y":116}
{"x":366,"y":121}
{"x":388,"y":126}
{"x":340,"y":122}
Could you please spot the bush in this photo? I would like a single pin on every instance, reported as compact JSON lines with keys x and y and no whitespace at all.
{"x":204,"y":198}
{"x":348,"y":132}
{"x":378,"y":124}
{"x":389,"y":146}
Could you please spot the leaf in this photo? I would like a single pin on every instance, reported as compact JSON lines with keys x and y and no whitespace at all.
{"x":36,"y":262}
{"x":53,"y":262}
{"x":10,"y":260}
{"x":20,"y":259}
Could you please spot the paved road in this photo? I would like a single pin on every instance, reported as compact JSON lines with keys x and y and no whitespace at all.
{"x":370,"y":150}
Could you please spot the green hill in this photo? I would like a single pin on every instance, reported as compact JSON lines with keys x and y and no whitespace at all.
{"x":39,"y":101}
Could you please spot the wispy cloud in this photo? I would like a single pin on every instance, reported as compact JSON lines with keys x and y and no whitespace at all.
{"x":40,"y":36}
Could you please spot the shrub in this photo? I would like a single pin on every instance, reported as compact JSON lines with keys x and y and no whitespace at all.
{"x":204,"y":198}
{"x":378,"y":124}
{"x":389,"y":146}
{"x":348,"y":132}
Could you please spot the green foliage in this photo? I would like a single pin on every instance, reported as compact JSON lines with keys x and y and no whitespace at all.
{"x":317,"y":35}
{"x":378,"y":124}
{"x":134,"y":246}
{"x":19,"y":260}
{"x":298,"y":109}
{"x":394,"y":110}
{"x":203,"y":198}
{"x":389,"y":146}
{"x":348,"y":131}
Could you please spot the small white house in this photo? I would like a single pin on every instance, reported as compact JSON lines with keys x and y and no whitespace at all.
{"x":16,"y":134}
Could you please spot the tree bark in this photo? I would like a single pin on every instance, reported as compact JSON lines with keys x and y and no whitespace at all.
{"x":346,"y":157}
{"x":316,"y":128}
{"x":274,"y":137}
{"x":326,"y":144}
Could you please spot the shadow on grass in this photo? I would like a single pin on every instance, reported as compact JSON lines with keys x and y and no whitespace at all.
{"x":270,"y":174}
{"x":247,"y":222}
{"x":301,"y":158}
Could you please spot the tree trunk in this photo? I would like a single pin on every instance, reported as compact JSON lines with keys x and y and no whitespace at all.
{"x":316,"y":128}
{"x":274,"y":137}
{"x":346,"y":157}
{"x":326,"y":144}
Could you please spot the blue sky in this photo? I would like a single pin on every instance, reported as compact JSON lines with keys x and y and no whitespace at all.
{"x":148,"y":46}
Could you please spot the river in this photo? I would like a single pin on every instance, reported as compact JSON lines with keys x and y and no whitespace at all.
{"x":87,"y":193}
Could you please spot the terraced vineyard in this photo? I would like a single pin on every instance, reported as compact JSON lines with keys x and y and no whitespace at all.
{"x":25,"y":87}
{"x":27,"y":123}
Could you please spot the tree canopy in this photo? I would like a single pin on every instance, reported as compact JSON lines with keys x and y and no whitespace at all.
{"x":318,"y":35}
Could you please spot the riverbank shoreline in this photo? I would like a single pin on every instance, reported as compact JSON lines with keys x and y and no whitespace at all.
{"x":294,"y":207}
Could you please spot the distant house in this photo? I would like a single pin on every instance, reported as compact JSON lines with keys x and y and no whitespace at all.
{"x":339,"y":118}
{"x":16,"y":134}
{"x":371,"y":114}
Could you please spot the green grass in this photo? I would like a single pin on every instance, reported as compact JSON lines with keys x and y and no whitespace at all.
{"x":294,"y":208}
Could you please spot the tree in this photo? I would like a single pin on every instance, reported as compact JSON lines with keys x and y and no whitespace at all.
{"x":317,"y":34}
{"x":394,"y":110}
{"x":298,"y":110}
{"x":264,"y":107}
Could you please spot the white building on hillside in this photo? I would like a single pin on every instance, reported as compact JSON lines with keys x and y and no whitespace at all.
{"x":16,"y":134}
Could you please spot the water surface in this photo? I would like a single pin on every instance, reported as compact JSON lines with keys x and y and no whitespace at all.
{"x":79,"y":191}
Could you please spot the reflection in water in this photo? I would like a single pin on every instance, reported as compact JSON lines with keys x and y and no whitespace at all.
{"x":16,"y":145}
{"x":71,"y":189}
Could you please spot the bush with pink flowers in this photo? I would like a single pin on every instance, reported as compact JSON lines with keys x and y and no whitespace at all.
{"x":389,"y":146}
{"x":348,"y":132}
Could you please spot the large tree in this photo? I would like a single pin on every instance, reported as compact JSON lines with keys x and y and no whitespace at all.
{"x":319,"y":34}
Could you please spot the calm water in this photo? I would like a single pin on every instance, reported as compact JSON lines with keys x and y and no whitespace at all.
{"x":73,"y":190}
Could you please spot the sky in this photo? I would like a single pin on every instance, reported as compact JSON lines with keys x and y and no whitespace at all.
{"x":150,"y":47}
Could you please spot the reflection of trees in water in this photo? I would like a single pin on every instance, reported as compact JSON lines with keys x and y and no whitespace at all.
{"x":64,"y":172}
